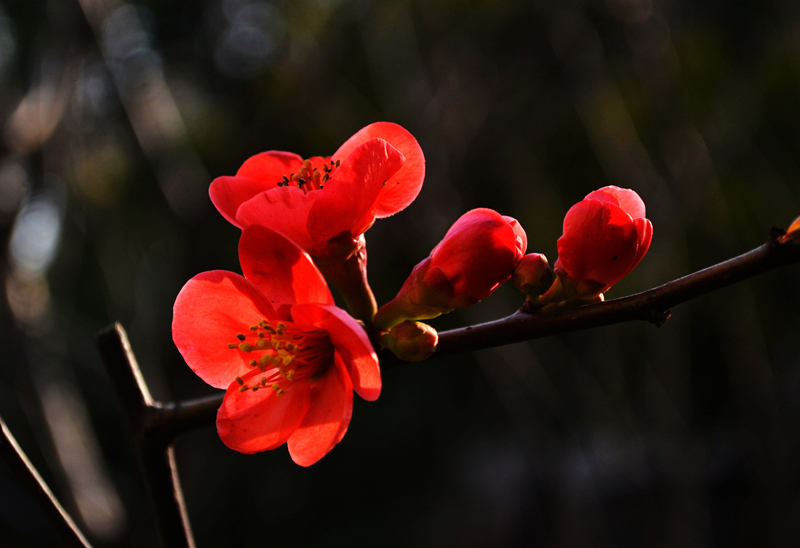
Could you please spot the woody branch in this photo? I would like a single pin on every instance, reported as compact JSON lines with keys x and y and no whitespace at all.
{"x":653,"y":306}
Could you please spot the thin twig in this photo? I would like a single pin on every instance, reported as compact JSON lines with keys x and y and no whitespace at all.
{"x":65,"y":528}
{"x":155,"y":452}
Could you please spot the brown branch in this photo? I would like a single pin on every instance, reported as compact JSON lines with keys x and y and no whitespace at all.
{"x":651,"y":306}
{"x":156,"y":454}
{"x":156,"y":424}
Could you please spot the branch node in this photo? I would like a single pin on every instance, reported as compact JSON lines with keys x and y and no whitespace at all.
{"x":527,"y":307}
{"x":658,"y":318}
{"x":775,"y":233}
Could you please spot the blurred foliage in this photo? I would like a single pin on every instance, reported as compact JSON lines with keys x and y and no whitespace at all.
{"x":117,"y":116}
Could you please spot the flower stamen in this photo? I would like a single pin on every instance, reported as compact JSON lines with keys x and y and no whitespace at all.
{"x":310,"y":178}
{"x":292,"y":354}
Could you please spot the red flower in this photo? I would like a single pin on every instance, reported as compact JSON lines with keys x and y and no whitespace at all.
{"x":605,"y":237}
{"x":376,"y":173}
{"x":326,"y":204}
{"x":477,"y":254}
{"x":287,"y":356}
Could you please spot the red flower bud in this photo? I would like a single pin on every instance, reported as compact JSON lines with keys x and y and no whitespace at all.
{"x":533,"y":275}
{"x":477,"y":254}
{"x":605,"y":237}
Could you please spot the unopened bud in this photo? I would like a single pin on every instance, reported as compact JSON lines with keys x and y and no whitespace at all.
{"x":532,"y":275}
{"x":411,"y":341}
{"x":477,"y":254}
{"x":605,"y":236}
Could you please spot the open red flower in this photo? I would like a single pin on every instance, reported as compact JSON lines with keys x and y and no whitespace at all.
{"x":605,"y":237}
{"x":287,"y":356}
{"x":326,"y":204}
{"x":374,"y":174}
{"x":477,"y":254}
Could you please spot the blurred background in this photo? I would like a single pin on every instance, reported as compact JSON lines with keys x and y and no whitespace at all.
{"x":116,"y":116}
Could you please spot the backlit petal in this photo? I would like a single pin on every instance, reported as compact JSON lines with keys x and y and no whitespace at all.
{"x":478,"y":254}
{"x":644,"y":235}
{"x":251,"y":422}
{"x":329,"y":412}
{"x":259,"y":173}
{"x":280,"y":269}
{"x":605,"y":195}
{"x":625,"y":198}
{"x":599,"y":242}
{"x":209,"y":312}
{"x":348,"y":199}
{"x":228,"y":193}
{"x":284,"y":210}
{"x":522,"y":238}
{"x":349,"y":340}
{"x":403,"y":187}
{"x":270,"y":167}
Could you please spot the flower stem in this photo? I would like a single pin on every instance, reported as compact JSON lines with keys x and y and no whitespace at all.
{"x":349,"y":276}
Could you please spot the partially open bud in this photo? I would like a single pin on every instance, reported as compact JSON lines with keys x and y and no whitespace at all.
{"x":605,"y":237}
{"x":477,"y":254}
{"x":411,"y":341}
{"x":792,"y":233}
{"x":533,"y":275}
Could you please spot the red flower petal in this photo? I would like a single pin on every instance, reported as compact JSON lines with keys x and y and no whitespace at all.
{"x":599,"y":242}
{"x":522,"y":238}
{"x":228,"y":193}
{"x":280,"y":269}
{"x":284,"y":210}
{"x":644,"y":235}
{"x":348,"y":199}
{"x":478,"y":253}
{"x":270,"y":167}
{"x":625,"y":198}
{"x":402,"y":188}
{"x":251,"y":422}
{"x":349,"y":340}
{"x":327,"y":419}
{"x":210,"y":310}
{"x":605,"y":195}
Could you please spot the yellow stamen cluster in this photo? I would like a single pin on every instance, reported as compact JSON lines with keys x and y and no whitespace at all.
{"x":287,"y":354}
{"x":309,"y":177}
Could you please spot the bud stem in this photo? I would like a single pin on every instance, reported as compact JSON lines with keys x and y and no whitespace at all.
{"x":350,"y":278}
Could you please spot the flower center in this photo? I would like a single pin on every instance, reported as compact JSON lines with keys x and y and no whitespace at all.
{"x":284,"y":353}
{"x":309,"y":177}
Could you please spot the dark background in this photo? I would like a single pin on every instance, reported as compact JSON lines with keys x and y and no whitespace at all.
{"x":117,"y":116}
